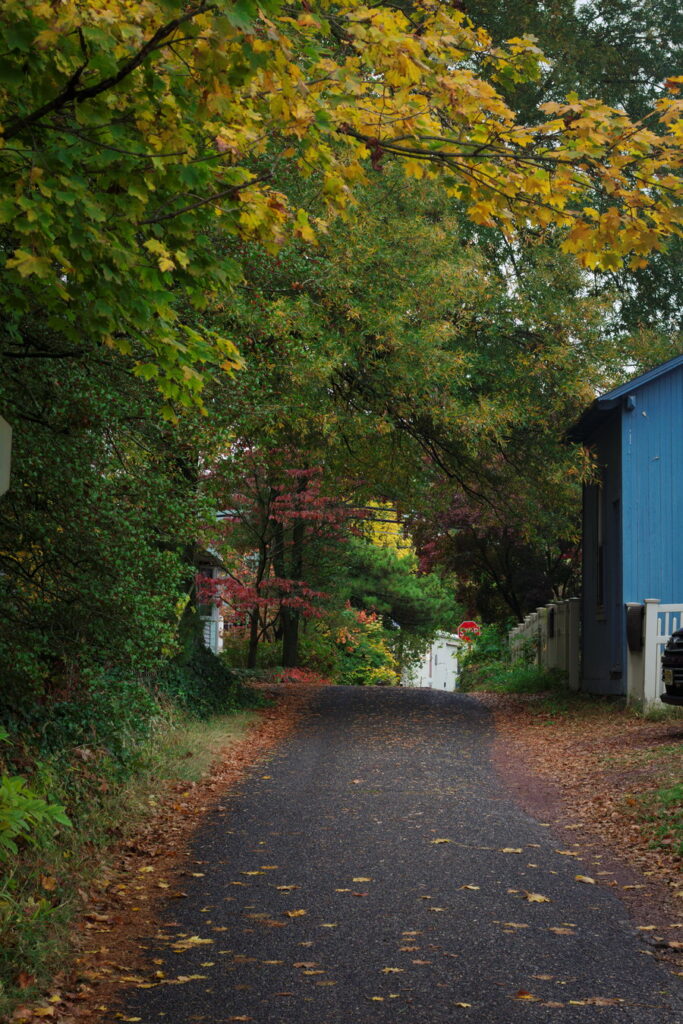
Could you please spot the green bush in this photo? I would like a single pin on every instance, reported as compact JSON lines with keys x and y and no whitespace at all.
{"x":24,"y":816}
{"x":202,"y":684}
{"x":490,"y":646}
{"x":502,"y":677}
{"x":365,"y":657}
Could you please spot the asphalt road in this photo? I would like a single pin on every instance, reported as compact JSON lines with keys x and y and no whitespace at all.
{"x":375,"y":870}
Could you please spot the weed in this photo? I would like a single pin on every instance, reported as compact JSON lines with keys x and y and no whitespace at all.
{"x":663,"y":810}
{"x":501,"y":677}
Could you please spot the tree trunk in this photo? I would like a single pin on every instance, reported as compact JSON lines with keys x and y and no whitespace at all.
{"x":254,"y":614}
{"x":253,"y":637}
{"x":290,"y":638}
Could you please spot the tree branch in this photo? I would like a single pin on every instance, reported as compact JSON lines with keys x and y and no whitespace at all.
{"x":72,"y":92}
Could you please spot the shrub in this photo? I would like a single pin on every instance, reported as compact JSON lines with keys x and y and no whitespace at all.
{"x":365,"y":655}
{"x":501,"y":677}
{"x":490,"y":646}
{"x":24,"y":815}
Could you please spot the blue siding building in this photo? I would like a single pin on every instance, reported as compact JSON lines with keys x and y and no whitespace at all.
{"x":632,"y":514}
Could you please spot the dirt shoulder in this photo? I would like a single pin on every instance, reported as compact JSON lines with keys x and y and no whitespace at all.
{"x":148,"y":867}
{"x":587,"y":769}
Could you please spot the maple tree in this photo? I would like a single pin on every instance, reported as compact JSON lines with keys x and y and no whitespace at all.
{"x":131,"y":131}
{"x":275,"y":519}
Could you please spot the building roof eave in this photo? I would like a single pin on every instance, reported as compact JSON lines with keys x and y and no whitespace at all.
{"x":599,"y":410}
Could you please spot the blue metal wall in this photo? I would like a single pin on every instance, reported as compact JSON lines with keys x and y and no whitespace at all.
{"x":652,"y":483}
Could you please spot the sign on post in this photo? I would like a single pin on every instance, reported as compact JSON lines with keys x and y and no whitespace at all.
{"x":468,"y":630}
{"x":5,"y":454}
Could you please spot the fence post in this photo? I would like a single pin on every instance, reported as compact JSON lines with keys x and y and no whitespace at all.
{"x":542,"y":628}
{"x":552,"y":618}
{"x":573,"y":624}
{"x":650,"y":659}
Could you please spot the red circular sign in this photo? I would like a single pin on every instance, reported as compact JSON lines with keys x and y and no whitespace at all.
{"x":468,"y":630}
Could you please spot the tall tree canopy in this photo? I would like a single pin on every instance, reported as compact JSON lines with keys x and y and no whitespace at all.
{"x":130,"y":130}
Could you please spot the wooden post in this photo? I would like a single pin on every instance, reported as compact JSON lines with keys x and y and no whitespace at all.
{"x":574,"y":643}
{"x":650,"y":659}
{"x":542,"y":627}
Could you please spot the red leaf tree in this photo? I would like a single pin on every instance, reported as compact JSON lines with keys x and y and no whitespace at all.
{"x":275,"y":520}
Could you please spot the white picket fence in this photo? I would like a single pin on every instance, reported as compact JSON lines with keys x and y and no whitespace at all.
{"x":552,"y":633}
{"x":644,"y":668}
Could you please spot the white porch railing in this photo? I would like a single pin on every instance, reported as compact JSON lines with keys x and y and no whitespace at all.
{"x":212,"y":628}
{"x":644,"y":667}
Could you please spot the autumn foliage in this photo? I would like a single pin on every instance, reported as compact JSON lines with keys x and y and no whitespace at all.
{"x":131,"y":132}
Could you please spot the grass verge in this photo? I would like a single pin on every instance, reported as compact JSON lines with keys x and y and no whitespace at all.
{"x":46,"y":883}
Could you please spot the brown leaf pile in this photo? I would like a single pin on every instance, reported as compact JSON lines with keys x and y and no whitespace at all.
{"x":583,"y":771}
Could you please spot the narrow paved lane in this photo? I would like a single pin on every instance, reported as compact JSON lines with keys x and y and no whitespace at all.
{"x":375,"y":871}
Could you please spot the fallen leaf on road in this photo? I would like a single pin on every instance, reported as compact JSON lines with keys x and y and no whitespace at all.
{"x":535,"y":897}
{"x":184,"y":944}
{"x":562,"y":931}
{"x":510,"y":849}
{"x":435,"y":842}
{"x":295,"y":913}
{"x":523,"y":994}
{"x":392,"y":970}
{"x":437,"y":910}
{"x":585,"y":878}
{"x":463,"y":1006}
{"x":567,"y":853}
{"x":361,"y":879}
{"x":305,"y":963}
{"x":472,"y":887}
{"x":286,"y":888}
